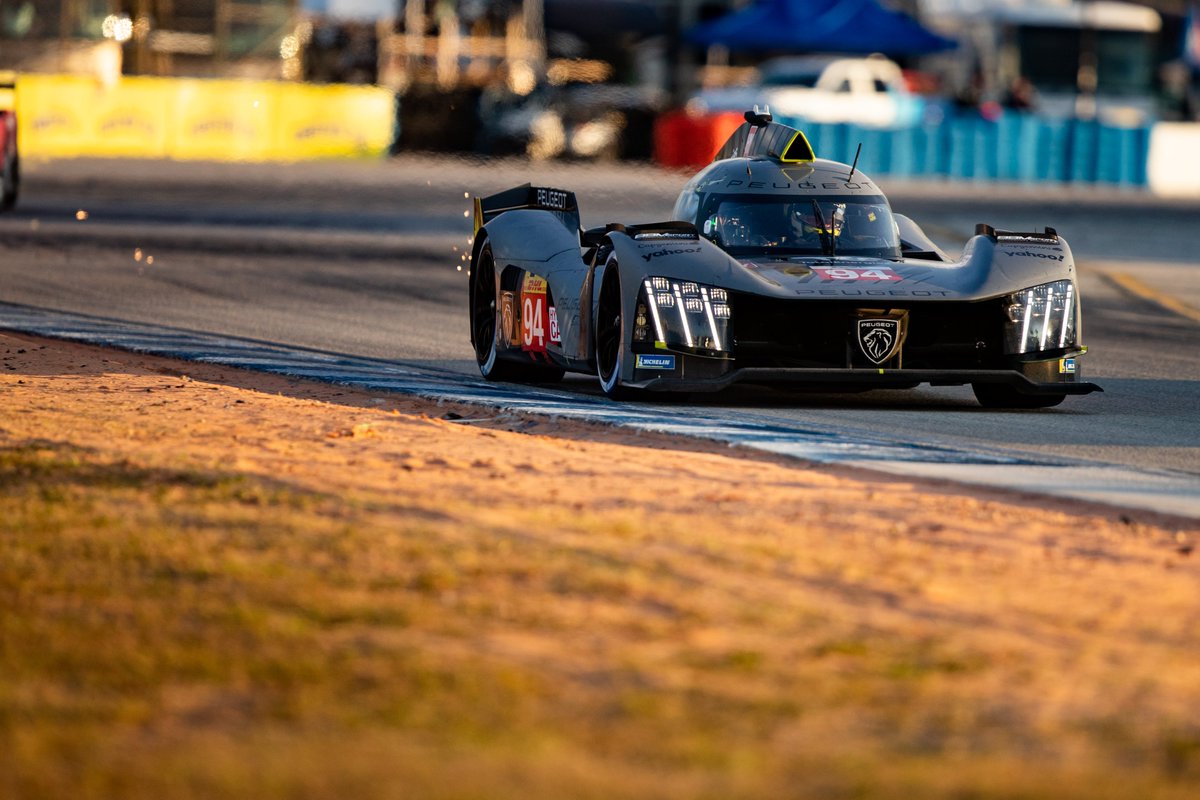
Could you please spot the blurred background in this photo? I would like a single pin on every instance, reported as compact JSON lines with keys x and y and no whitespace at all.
{"x":1009,"y":90}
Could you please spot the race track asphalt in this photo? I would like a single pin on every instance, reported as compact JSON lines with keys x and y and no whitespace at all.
{"x":362,"y":258}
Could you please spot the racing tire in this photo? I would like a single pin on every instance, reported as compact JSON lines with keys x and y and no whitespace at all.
{"x":611,"y":351}
{"x":10,"y":183}
{"x":484,"y":330}
{"x":998,"y":395}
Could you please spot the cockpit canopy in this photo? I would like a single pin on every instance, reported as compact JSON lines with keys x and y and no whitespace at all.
{"x":800,"y":224}
{"x":767,"y":194}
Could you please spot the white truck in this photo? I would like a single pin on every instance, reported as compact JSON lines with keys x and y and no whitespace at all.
{"x":867,"y":91}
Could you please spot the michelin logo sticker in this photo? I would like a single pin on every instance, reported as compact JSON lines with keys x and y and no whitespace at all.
{"x":655,"y":362}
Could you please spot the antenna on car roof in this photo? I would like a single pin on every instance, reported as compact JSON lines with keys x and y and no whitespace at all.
{"x":854,"y":166}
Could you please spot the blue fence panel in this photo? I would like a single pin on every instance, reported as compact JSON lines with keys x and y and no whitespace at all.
{"x":1012,"y":147}
{"x":1141,"y":156}
{"x":1017,"y":148}
{"x":1052,"y":150}
{"x":1085,"y":150}
{"x":903,"y":152}
{"x":1122,"y":156}
{"x":961,"y":162}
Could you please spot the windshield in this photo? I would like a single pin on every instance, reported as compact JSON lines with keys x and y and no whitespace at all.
{"x":844,"y":225}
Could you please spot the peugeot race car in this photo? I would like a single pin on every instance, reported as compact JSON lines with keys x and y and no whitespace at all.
{"x":778,"y":268}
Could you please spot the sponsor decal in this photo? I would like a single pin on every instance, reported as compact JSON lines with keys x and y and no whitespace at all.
{"x":1031,"y":254}
{"x":800,"y":184}
{"x":552,"y":198}
{"x":535,"y":314}
{"x":1067,"y":366}
{"x":879,"y":339}
{"x":644,"y":361}
{"x":678,"y":251}
{"x":533,"y":284}
{"x":508,"y":319}
{"x":49,"y":120}
{"x":656,"y":237}
{"x":856,"y":274}
{"x":554,"y":333}
{"x":1055,"y":246}
{"x":129,"y":122}
{"x":873,"y":292}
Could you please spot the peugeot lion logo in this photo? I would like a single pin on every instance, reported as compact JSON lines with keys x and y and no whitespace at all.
{"x":879,"y":338}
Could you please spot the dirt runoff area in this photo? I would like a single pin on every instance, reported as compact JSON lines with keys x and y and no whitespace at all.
{"x":217,"y":583}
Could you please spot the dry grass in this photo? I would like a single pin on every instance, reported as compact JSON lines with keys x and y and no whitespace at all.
{"x":253,"y":595}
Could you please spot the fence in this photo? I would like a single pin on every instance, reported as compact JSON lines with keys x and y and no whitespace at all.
{"x":1012,"y":147}
{"x":183,"y":118}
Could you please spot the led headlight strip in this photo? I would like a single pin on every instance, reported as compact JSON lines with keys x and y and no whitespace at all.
{"x":687,"y":329}
{"x":653,"y":303}
{"x":712,"y":323}
{"x":1039,"y":313}
{"x":1027,"y":315}
{"x":1046,"y":320}
{"x":1068,"y":314}
{"x":702,"y":313}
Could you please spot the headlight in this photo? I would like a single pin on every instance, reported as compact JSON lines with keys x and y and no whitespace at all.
{"x":1041,"y":318}
{"x":683,"y":314}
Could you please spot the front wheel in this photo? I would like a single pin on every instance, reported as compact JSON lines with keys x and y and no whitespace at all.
{"x":484,"y":331}
{"x":611,"y":348}
{"x":997,"y":395}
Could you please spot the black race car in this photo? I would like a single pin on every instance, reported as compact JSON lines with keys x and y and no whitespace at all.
{"x":778,"y":268}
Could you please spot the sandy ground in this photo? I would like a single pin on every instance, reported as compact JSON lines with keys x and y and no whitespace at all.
{"x":789,"y":562}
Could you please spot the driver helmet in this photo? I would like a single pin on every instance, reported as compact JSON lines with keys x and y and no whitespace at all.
{"x":806,"y":224}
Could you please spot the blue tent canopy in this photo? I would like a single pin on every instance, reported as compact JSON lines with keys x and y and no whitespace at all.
{"x":825,"y":26}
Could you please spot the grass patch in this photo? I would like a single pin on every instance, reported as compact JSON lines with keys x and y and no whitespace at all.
{"x":189,"y":633}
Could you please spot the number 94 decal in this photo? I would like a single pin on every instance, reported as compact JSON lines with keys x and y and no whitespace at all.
{"x":539,"y":320}
{"x":856,"y":274}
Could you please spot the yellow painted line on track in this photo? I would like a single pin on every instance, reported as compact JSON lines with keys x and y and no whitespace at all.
{"x":1135,"y":287}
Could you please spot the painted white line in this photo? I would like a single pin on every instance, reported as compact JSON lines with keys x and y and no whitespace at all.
{"x":1158,"y":490}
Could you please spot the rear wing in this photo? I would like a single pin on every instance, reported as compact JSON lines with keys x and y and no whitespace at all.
{"x":559,"y":202}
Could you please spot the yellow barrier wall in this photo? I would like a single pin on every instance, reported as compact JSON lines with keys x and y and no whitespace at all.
{"x":323,"y":121}
{"x":183,"y":118}
{"x":232,"y":120}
